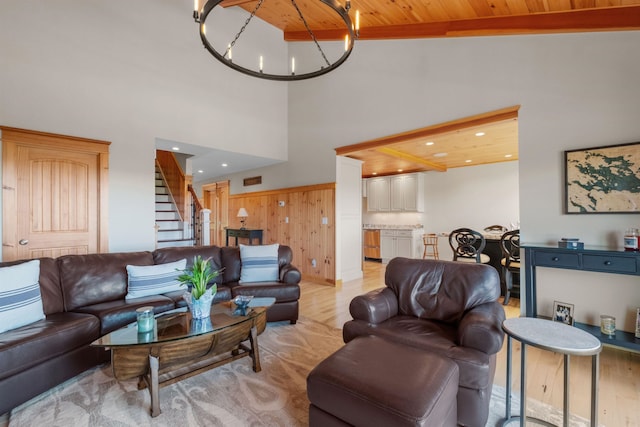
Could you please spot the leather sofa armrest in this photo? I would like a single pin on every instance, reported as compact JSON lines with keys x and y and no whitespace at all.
{"x":481,"y":328}
{"x":374,"y":306}
{"x":290,"y":274}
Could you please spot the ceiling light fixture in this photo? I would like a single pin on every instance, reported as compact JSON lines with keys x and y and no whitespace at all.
{"x":467,"y":161}
{"x":480,"y":134}
{"x":175,"y":148}
{"x":224,"y":165}
{"x":440,"y":155}
{"x":224,"y":51}
{"x":508,"y":155}
{"x":429,"y":143}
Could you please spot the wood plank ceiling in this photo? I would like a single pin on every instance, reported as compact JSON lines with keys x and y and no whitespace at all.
{"x":410,"y":19}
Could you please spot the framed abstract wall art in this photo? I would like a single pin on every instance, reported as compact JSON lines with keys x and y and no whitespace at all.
{"x":603,"y":179}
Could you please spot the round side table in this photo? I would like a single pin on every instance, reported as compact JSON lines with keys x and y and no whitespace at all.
{"x":556,"y":337}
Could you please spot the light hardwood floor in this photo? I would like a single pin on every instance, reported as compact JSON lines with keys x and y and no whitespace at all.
{"x":619,"y":395}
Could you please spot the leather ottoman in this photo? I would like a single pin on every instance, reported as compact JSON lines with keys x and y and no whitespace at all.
{"x":374,"y":382}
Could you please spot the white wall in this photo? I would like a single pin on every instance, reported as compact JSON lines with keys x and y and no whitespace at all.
{"x":131,"y":72}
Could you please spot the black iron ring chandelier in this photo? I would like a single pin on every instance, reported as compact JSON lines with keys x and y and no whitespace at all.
{"x":224,"y":55}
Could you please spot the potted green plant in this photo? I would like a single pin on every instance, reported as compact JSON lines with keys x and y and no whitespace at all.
{"x":197,"y":277}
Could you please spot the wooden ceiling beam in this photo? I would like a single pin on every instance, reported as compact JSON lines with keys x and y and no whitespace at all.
{"x":467,"y":122}
{"x":618,"y":18}
{"x":410,"y":157}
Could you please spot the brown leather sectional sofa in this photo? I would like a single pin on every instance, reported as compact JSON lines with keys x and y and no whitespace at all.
{"x":83,"y":298}
{"x":446,"y":308}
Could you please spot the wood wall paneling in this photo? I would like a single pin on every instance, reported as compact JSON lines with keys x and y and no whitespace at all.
{"x":304,"y":232}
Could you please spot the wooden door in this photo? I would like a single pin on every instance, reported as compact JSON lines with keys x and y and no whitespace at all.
{"x":54,"y":195}
{"x":216,"y":198}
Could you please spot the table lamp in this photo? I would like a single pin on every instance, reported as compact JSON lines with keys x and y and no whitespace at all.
{"x":242,"y":214}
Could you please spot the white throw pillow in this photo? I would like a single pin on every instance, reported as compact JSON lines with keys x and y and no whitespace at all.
{"x":259,"y":263}
{"x":145,"y":280}
{"x":20,"y":299}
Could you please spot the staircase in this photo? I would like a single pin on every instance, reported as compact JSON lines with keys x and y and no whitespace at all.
{"x":172,"y":231}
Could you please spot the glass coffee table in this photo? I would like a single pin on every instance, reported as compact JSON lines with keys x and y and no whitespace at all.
{"x":179,"y":347}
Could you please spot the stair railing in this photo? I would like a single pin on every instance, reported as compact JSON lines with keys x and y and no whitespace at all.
{"x":199,"y":219}
{"x":175,"y":180}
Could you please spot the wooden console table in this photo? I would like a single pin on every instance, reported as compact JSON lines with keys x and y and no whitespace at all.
{"x":244,"y":233}
{"x":597,"y":260}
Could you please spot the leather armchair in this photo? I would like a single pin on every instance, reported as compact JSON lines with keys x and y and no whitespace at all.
{"x":448,"y":308}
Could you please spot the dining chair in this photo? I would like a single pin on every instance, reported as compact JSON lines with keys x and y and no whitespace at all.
{"x":430,"y":240}
{"x":510,"y":246}
{"x":467,"y":246}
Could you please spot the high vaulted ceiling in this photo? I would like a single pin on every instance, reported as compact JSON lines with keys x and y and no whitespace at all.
{"x":396,"y":19}
{"x":455,"y":143}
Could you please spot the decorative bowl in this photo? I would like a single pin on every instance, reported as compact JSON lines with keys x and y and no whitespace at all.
{"x":242,"y":303}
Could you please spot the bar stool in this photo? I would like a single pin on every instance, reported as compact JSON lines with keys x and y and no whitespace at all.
{"x":430,"y":240}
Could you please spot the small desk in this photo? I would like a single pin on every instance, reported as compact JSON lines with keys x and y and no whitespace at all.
{"x":244,"y":233}
{"x":556,"y":337}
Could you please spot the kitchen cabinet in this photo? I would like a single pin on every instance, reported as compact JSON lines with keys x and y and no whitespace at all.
{"x":378,"y":194}
{"x":407,"y":193}
{"x":400,"y":243}
{"x":371,"y":241}
{"x":397,"y":193}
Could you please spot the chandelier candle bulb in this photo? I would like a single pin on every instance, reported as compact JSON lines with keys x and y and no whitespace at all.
{"x":195,"y":6}
{"x":357,"y":20}
{"x":346,"y":42}
{"x":293,"y":65}
{"x":261,"y":63}
{"x":230,"y":53}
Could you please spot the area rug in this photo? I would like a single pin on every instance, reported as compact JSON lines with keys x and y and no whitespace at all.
{"x":230,"y":395}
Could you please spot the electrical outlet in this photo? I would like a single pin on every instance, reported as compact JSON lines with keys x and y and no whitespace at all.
{"x":325,"y":220}
{"x":313,"y":262}
{"x":286,"y":220}
{"x":281,"y":203}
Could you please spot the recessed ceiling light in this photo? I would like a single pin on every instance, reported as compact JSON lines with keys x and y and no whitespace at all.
{"x":224,"y":165}
{"x":175,"y":148}
{"x":480,"y":134}
{"x":374,"y":173}
{"x":429,"y":143}
{"x":440,"y":154}
{"x":200,"y":171}
{"x":508,"y":155}
{"x":467,"y":161}
{"x":399,"y":170}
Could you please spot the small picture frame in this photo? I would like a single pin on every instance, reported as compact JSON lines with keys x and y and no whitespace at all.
{"x":563,"y":312}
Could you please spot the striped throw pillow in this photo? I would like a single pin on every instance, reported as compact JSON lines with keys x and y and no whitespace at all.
{"x":259,"y":263}
{"x":145,"y":280}
{"x":20,"y":299}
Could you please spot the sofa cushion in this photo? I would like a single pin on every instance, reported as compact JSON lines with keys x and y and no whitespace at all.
{"x":116,"y":314}
{"x":50,"y":290}
{"x":97,"y":278}
{"x":282,"y":292}
{"x":259,"y":263}
{"x":145,"y":280}
{"x":58,"y":333}
{"x":20,"y":300}
{"x":212,"y":253}
{"x":433,"y":337}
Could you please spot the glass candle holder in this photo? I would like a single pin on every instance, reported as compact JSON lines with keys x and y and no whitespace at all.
{"x":145,"y":319}
{"x":607,"y":325}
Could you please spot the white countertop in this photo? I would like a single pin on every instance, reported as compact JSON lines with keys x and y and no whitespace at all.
{"x":391,"y":227}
